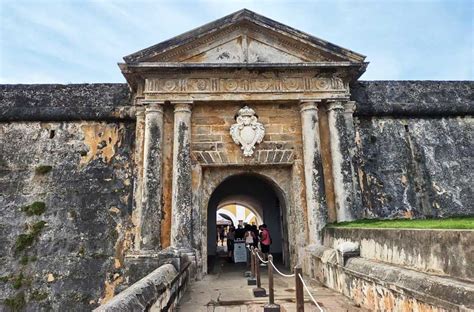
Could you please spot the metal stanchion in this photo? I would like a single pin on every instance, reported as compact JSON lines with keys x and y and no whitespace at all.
{"x":271,"y":306}
{"x":251,"y":280}
{"x":299,"y":290}
{"x":258,"y":291}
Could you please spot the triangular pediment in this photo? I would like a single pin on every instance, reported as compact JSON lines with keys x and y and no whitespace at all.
{"x":244,"y":37}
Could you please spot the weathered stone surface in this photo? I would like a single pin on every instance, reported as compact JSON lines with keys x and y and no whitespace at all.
{"x":445,"y":253}
{"x":414,"y":98}
{"x":384,"y":287}
{"x":55,"y":102}
{"x":77,"y":257}
{"x":156,"y":290}
{"x":415,"y":167}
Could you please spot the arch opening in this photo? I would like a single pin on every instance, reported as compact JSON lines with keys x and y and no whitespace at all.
{"x":256,"y":195}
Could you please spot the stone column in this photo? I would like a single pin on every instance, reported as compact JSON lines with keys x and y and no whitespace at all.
{"x":313,"y":171}
{"x":181,"y":204}
{"x":152,"y":177}
{"x":341,"y":129}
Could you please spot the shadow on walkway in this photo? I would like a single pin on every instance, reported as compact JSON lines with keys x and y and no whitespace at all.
{"x":226,"y":289}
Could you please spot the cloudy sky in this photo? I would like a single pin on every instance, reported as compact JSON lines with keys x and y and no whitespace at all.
{"x":76,"y":41}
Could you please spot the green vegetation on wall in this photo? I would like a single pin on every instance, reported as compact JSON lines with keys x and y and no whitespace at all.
{"x":448,"y":223}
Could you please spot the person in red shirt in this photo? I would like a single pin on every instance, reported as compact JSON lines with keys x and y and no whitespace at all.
{"x":265,"y":240}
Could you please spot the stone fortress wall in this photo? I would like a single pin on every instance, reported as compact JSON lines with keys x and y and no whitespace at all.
{"x":70,"y":148}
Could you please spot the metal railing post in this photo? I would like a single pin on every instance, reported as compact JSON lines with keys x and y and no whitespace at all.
{"x":299,"y":290}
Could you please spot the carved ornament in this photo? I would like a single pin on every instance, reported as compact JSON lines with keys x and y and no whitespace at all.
{"x":247,"y":131}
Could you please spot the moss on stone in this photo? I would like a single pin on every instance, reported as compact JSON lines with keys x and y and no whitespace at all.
{"x":37,"y":227}
{"x":24,"y":260}
{"x":36,"y":208}
{"x":43,"y":169}
{"x":17,"y":302}
{"x":4,"y":278}
{"x":18,"y":281}
{"x":38,"y":295}
{"x":33,"y":258}
{"x":24,"y":241}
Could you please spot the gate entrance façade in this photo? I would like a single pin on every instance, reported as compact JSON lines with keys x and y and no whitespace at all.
{"x":239,"y":105}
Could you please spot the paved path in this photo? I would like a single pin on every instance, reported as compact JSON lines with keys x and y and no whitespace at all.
{"x":227,"y":291}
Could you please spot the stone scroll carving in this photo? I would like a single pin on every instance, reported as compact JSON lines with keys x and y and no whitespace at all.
{"x":247,"y":131}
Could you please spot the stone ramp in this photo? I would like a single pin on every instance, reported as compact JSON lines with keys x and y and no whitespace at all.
{"x":227,"y":291}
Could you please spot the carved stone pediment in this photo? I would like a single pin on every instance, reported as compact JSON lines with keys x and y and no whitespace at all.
{"x":247,"y":131}
{"x":244,"y":37}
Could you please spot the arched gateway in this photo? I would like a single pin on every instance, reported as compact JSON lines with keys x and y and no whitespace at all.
{"x":243,"y":108}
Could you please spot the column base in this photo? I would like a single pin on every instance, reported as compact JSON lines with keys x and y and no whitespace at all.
{"x":247,"y":274}
{"x":251,"y":281}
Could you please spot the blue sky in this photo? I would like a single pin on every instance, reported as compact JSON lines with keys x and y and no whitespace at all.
{"x":77,"y":41}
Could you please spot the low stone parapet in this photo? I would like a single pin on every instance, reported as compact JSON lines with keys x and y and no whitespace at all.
{"x":158,"y":291}
{"x":384,"y":287}
{"x":441,"y":252}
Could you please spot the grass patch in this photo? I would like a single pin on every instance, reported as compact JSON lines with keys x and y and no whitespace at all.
{"x":43,"y":169}
{"x":37,"y":208}
{"x":447,"y":223}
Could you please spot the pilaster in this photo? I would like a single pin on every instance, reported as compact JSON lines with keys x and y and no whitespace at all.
{"x":342,"y":144}
{"x":313,"y":171}
{"x":181,"y":205}
{"x":151,"y":211}
{"x":138,"y":171}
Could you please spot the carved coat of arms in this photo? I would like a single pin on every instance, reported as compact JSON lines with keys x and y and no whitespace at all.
{"x":247,"y":131}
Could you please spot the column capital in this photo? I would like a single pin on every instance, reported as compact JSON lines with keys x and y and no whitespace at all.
{"x":183,"y":106}
{"x":350,"y":107}
{"x":139,"y":111}
{"x":335,"y":105}
{"x":307,"y":105}
{"x":154,"y":107}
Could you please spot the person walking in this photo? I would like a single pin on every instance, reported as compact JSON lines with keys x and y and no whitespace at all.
{"x":265,"y":240}
{"x":249,"y":241}
{"x":230,"y":242}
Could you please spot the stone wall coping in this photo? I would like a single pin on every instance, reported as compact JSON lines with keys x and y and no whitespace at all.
{"x":146,"y":291}
{"x":440,"y":291}
{"x":437,"y":252}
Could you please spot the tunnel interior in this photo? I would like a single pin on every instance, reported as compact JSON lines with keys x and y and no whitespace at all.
{"x":263,"y":197}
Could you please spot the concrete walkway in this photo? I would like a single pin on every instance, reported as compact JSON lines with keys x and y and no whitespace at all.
{"x":227,"y":291}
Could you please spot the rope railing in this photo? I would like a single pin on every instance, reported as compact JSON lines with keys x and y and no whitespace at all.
{"x":278,"y":271}
{"x":309,"y":293}
{"x":298,"y":278}
{"x":263,"y":261}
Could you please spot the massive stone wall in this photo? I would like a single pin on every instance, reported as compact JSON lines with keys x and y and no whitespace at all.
{"x":65,"y":198}
{"x":68,"y":148}
{"x":415,"y":153}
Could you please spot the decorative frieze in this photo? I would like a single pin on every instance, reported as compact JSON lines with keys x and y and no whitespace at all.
{"x":242,"y":85}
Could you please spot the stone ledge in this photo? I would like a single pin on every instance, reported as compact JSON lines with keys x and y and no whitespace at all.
{"x":440,"y":252}
{"x":387,"y":284}
{"x":160,"y":289}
